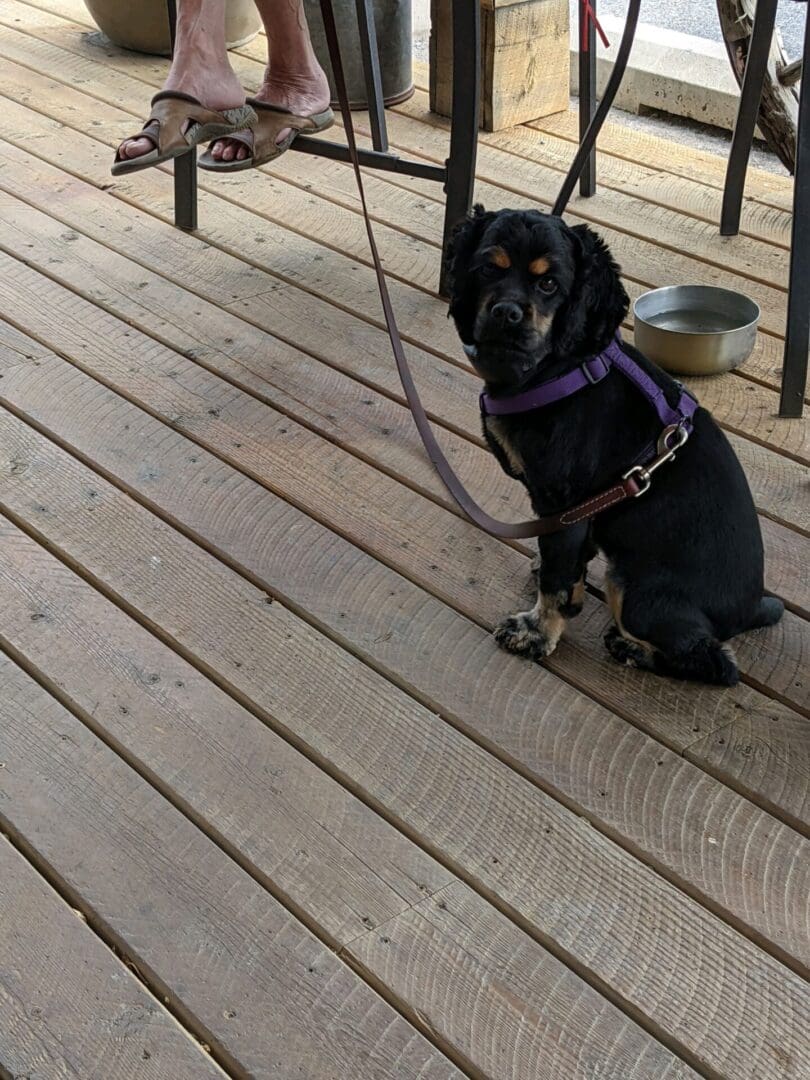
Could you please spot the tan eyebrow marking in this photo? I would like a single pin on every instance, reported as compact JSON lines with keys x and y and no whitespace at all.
{"x":500,"y":258}
{"x":539,"y":266}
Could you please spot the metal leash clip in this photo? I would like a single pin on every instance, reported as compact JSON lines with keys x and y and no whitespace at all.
{"x":666,"y":452}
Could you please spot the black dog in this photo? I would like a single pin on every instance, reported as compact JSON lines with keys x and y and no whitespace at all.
{"x":533,"y":299}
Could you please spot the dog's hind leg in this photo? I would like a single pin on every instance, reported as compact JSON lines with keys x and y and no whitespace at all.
{"x":657,"y":633}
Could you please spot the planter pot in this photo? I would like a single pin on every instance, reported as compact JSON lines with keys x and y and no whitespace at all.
{"x":144,"y":26}
{"x":393,"y":21}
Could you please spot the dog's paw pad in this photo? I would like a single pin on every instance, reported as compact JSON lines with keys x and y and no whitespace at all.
{"x":521,"y":634}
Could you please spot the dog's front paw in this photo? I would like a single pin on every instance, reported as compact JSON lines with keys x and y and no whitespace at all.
{"x":523,"y":634}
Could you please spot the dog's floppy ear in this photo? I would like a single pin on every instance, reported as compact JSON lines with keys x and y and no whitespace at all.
{"x":592,"y":314}
{"x":464,"y":242}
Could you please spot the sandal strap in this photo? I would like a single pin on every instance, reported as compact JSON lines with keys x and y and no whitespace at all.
{"x":267,"y":127}
{"x":170,"y":110}
{"x":176,"y":95}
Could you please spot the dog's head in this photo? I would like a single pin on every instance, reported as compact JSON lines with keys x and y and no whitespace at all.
{"x":528,"y":289}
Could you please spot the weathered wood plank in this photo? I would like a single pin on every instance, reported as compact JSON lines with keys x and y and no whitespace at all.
{"x":393,"y":758}
{"x":694,"y":248}
{"x":750,"y":750}
{"x":68,"y":1007}
{"x":454,"y":924}
{"x":330,"y":855}
{"x":199,"y":928}
{"x":787,"y":546}
{"x":444,"y":385}
{"x":346,"y":412}
{"x":774,"y":659}
{"x":788,"y":796}
{"x":667,"y":156}
{"x":672,"y":180}
{"x":352,"y":236}
{"x":334,"y":180}
{"x":210,"y":394}
{"x":339,"y":863}
{"x":630,"y":188}
{"x":680,"y":715}
{"x":745,"y":406}
{"x":524,"y":138}
{"x":350,"y":414}
{"x":651,"y":151}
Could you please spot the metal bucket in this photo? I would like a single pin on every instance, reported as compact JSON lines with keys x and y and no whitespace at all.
{"x":393,"y":22}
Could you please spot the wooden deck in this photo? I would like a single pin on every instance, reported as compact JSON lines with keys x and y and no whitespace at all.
{"x":274,"y":804}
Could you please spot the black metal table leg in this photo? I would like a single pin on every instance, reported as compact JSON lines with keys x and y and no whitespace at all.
{"x":464,"y":129}
{"x":371,"y":72}
{"x":587,"y":93}
{"x":589,"y":141}
{"x":797,"y":335}
{"x":185,"y":166}
{"x":747,"y":111}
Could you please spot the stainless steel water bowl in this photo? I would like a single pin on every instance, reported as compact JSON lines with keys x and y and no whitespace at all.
{"x":696,"y":329}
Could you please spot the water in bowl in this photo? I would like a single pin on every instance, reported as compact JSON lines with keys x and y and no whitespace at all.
{"x":684,"y":321}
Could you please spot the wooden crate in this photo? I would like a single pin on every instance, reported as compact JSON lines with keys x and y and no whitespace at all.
{"x":525,"y":57}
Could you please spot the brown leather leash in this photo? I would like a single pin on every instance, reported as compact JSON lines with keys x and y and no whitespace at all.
{"x":628,"y":487}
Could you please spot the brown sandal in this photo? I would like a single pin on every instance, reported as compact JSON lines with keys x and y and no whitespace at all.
{"x":164,"y":128}
{"x":260,"y":139}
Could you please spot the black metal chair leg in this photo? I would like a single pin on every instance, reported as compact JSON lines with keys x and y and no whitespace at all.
{"x":797,"y":335}
{"x":614,"y":82}
{"x":466,"y":110}
{"x":185,"y":166}
{"x":747,"y":111}
{"x":587,"y":94}
{"x":371,"y":72}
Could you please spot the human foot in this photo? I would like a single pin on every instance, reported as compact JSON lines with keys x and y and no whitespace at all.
{"x":302,"y":95}
{"x":214,"y":85}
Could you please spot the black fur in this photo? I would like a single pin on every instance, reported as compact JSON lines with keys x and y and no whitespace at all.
{"x":686,"y":559}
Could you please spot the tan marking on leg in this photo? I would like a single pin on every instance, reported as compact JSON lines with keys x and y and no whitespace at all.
{"x":539,"y":266}
{"x":578,"y":592}
{"x":615,"y":599}
{"x":550,"y":620}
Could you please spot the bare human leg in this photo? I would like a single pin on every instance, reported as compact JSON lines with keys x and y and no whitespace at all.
{"x":293,"y":79}
{"x":200,"y":64}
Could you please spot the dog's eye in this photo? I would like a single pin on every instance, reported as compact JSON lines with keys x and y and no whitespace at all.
{"x":490,"y":270}
{"x":546,"y":285}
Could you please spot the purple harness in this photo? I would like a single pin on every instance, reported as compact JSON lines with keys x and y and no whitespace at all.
{"x":588,"y":374}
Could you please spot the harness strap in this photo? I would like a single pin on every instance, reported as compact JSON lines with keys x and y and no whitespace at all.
{"x":593,"y":371}
{"x":587,"y":374}
{"x":627,"y":488}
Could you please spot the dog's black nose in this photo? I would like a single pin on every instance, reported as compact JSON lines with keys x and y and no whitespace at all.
{"x":507,"y":313}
